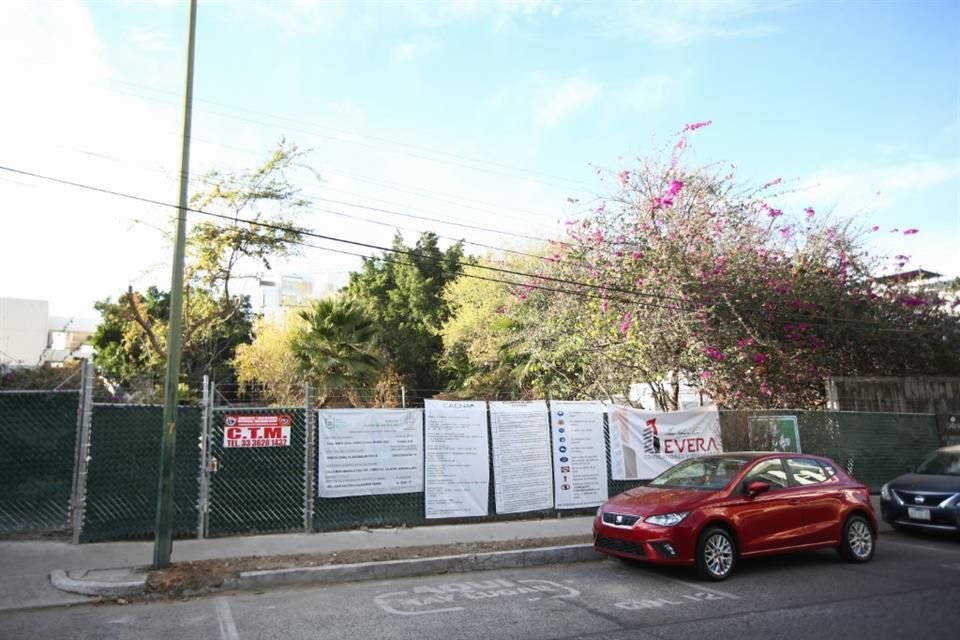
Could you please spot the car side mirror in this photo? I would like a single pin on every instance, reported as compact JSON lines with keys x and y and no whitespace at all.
{"x":756,"y":488}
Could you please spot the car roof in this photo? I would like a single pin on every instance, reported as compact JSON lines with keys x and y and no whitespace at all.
{"x":954,"y":448}
{"x":758,"y":454}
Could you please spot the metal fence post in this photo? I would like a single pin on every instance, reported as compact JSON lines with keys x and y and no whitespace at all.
{"x":203,"y":503}
{"x":78,"y":493}
{"x":308,"y":460}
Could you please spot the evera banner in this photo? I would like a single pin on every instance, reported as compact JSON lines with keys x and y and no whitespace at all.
{"x":521,"y":456}
{"x":643,"y":444}
{"x":457,"y":459}
{"x":364,"y":452}
{"x":579,"y":454}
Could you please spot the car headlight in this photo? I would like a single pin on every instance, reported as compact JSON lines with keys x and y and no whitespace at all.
{"x":667,"y":519}
{"x":600,"y":511}
{"x":885,"y":492}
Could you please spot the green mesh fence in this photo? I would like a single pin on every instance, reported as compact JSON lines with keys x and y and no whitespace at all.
{"x":256,"y":489}
{"x":123,"y":473}
{"x":819,"y":431}
{"x":877,"y":447}
{"x":873,"y":447}
{"x":38,"y":433}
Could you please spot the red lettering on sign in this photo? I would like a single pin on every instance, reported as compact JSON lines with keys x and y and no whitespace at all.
{"x":234,"y":432}
{"x":666,"y":446}
{"x":273,"y":432}
{"x":254,"y":432}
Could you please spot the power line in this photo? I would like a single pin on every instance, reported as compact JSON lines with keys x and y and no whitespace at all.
{"x":409,"y":253}
{"x":465,"y":161}
{"x":366,"y":245}
{"x":357,"y":205}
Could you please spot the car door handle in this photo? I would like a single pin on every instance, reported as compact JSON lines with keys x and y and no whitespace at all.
{"x":794,"y":502}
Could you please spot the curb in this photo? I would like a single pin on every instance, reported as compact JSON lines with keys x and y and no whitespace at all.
{"x":134,"y":585}
{"x":331,"y":574}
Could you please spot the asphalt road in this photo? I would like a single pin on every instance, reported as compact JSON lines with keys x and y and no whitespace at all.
{"x":910,"y":590}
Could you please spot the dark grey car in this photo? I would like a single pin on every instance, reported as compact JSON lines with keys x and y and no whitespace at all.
{"x":927,"y":498}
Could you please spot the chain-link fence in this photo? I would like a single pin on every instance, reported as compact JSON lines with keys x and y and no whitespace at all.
{"x":124,"y":468}
{"x":243,"y":490}
{"x":256,"y":489}
{"x":38,"y":440}
{"x":873,"y":447}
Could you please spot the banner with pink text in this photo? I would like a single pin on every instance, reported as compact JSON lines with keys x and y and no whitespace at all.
{"x":643,"y":444}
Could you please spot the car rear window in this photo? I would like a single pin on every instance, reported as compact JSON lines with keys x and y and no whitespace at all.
{"x":806,"y":471}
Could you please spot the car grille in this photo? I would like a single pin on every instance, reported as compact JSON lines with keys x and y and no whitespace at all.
{"x":620,"y":546}
{"x":625,"y":521}
{"x":909,"y":498}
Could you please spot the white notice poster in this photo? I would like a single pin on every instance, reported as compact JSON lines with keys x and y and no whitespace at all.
{"x":457,"y":458}
{"x":579,"y":454}
{"x":365,"y":452}
{"x":521,"y":456}
{"x":644,"y":444}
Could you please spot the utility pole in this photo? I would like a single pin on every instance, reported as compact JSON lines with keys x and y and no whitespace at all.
{"x":163,"y":540}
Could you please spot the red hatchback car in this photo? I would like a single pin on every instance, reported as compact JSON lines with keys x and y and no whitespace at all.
{"x":707,"y":512}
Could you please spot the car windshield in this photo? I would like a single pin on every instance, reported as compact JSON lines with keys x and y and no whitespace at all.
{"x":710,"y":474}
{"x":941,"y":463}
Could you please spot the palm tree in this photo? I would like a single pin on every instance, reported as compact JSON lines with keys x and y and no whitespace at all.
{"x":337,"y":349}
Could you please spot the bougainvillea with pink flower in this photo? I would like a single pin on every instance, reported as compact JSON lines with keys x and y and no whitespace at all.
{"x":686,"y":275}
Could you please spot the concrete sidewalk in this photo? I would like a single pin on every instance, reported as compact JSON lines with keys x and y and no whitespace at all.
{"x":25,"y":566}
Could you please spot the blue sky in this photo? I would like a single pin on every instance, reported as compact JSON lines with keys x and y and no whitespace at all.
{"x":482,"y":113}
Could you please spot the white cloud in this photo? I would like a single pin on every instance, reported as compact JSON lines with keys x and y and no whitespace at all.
{"x":873,"y":187}
{"x":403,"y":52}
{"x":299,"y":17}
{"x":149,"y":41}
{"x":651,"y":91}
{"x":680,"y":23}
{"x":75,"y":246}
{"x":564,"y":100}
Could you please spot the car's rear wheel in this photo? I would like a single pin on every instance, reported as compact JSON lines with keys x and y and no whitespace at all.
{"x":859,"y":540}
{"x":716,"y":554}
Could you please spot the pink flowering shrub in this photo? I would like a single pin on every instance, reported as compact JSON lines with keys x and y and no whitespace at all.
{"x":687,"y":274}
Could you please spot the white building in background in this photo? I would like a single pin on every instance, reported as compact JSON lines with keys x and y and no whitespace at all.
{"x":689,"y":397}
{"x":23,"y":331}
{"x":70,"y":338}
{"x":278,"y":297}
{"x":30,"y":337}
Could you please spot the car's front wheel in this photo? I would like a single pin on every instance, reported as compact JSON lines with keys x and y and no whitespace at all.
{"x":859,"y":540}
{"x":716,"y":554}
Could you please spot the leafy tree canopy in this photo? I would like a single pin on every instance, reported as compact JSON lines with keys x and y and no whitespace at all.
{"x":685,"y":274}
{"x":404,"y":290}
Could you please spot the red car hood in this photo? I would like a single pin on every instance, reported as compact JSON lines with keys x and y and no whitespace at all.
{"x":644,"y":501}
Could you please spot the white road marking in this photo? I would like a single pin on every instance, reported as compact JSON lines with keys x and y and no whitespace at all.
{"x":700,"y":587}
{"x":453,"y":596}
{"x":228,"y":628}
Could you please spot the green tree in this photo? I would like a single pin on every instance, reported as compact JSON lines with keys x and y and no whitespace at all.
{"x":404,"y":289}
{"x":126,"y":357}
{"x":267,"y":368}
{"x":131,"y":344}
{"x":337,"y":350}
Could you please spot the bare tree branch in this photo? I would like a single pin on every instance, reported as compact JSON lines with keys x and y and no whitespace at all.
{"x":144,"y":323}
